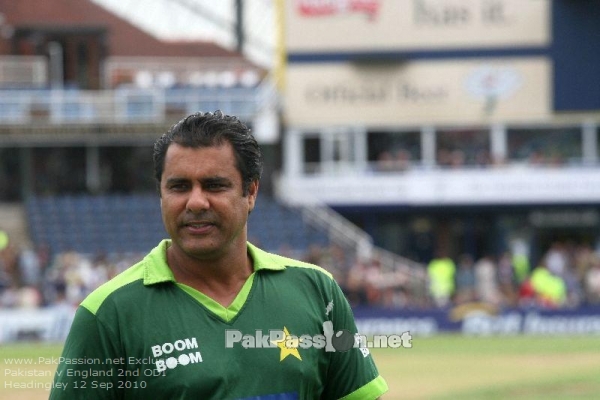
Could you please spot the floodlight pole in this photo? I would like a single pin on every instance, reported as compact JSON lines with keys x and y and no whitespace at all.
{"x":239,"y":25}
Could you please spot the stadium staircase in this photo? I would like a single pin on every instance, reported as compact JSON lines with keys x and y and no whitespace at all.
{"x":395,"y":270}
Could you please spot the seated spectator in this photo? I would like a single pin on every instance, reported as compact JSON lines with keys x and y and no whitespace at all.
{"x":550,"y":289}
{"x":402,"y":160}
{"x":486,"y":281}
{"x":441,"y":272}
{"x":465,"y":280}
{"x":592,"y":283}
{"x":507,"y":279}
{"x":386,"y":162}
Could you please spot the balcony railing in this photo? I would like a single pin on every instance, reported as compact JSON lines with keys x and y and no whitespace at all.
{"x":126,"y":105}
{"x":23,"y":71}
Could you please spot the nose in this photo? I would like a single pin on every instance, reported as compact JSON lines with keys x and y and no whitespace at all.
{"x":197,"y":200}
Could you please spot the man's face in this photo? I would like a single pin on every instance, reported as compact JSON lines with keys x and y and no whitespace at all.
{"x":202,"y":203}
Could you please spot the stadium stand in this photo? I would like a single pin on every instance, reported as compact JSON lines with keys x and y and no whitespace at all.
{"x":94,"y":224}
{"x":80,"y":241}
{"x":132,"y":223}
{"x":276,"y":227}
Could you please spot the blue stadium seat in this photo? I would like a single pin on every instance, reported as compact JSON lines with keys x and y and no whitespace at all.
{"x":132,"y":223}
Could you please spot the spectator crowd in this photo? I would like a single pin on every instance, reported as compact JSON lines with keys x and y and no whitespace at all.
{"x":567,"y":276}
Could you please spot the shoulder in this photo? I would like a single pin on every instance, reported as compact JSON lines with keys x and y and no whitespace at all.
{"x":150,"y":270}
{"x":264,"y":260}
{"x":95,"y":299}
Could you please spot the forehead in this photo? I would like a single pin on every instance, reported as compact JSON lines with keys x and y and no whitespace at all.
{"x":216,"y":160}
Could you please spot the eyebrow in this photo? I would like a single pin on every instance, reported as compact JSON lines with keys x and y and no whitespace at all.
{"x":216,"y":179}
{"x":205,"y":181}
{"x":172,"y":181}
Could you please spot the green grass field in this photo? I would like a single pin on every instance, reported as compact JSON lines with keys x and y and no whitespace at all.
{"x":517,"y":367}
{"x":440,"y":367}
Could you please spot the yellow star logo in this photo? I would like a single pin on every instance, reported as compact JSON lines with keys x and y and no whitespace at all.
{"x":288,"y":345}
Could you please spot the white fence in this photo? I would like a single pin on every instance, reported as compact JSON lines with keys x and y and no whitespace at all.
{"x":126,"y":105}
{"x":50,"y":324}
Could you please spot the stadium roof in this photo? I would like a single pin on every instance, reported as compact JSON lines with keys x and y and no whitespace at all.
{"x":124,"y":38}
{"x":204,"y":20}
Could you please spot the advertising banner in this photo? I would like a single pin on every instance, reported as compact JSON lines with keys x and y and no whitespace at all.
{"x":430,"y":92}
{"x":479,"y":320}
{"x":397,"y":25}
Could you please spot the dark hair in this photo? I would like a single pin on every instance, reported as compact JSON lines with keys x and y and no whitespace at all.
{"x":213,"y":129}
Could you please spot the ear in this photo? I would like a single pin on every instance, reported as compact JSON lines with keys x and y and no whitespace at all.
{"x":252,"y":193}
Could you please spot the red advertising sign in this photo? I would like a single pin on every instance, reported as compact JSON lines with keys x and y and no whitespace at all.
{"x":318,"y":8}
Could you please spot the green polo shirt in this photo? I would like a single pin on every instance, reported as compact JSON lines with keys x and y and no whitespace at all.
{"x":143,"y":335}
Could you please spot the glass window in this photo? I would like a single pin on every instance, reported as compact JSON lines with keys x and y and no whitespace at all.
{"x":459,"y":147}
{"x":312,"y":154}
{"x":330,"y":151}
{"x":126,"y":169}
{"x":545,"y":146}
{"x":59,"y":170}
{"x":393,"y":151}
{"x":82,"y":65}
{"x":10,"y":174}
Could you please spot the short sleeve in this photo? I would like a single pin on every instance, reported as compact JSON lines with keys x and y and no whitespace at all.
{"x":89,"y":365}
{"x":352,"y":374}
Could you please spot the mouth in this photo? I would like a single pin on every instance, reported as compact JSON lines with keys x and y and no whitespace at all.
{"x":198,"y":227}
{"x":198,"y":224}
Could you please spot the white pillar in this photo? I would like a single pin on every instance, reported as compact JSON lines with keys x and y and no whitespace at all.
{"x":428,"y":143}
{"x":361,"y":149}
{"x":498,"y":142}
{"x":293,"y":150}
{"x":92,"y":169}
{"x":589,"y":143}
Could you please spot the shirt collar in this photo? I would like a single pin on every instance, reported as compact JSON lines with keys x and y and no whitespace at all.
{"x":156,"y":269}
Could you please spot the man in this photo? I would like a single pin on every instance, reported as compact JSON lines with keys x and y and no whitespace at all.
{"x":206,"y":315}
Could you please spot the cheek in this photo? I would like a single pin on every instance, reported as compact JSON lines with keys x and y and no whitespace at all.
{"x":168,"y":209}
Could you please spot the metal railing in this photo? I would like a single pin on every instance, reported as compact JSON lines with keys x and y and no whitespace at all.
{"x":339,"y":229}
{"x":395,"y":270}
{"x":57,"y":106}
{"x":194,"y":71}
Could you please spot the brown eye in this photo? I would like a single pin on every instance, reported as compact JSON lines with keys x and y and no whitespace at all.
{"x":178,"y":187}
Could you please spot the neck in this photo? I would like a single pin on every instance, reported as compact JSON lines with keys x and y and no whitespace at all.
{"x":220,"y":279}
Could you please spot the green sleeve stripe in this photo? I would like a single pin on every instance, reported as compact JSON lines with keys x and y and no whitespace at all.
{"x":370,"y":391}
{"x":93,"y":302}
{"x":291,"y":263}
{"x":298,"y":264}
